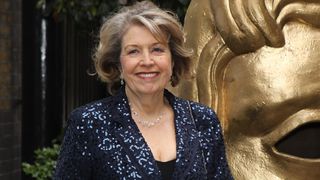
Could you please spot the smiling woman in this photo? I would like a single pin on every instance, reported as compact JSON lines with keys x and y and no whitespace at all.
{"x":142,"y":131}
{"x":165,"y":31}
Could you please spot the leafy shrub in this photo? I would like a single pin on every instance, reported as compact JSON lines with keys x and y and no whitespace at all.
{"x":44,"y":164}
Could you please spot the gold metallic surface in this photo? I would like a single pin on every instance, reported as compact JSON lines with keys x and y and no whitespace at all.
{"x":257,"y":63}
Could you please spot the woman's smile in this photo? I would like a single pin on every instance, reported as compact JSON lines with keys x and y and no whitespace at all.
{"x":147,"y":75}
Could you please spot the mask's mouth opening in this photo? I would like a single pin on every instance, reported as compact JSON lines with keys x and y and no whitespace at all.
{"x":303,"y":142}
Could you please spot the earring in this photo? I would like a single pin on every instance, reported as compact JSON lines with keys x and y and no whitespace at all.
{"x":172,"y":81}
{"x":121,"y":82}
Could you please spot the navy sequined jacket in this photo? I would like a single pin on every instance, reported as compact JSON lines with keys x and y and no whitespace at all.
{"x":103,"y":142}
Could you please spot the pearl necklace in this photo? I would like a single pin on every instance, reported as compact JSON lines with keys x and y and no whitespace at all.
{"x":145,"y":123}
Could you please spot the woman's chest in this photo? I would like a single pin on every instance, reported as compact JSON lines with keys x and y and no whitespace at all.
{"x":126,"y":154}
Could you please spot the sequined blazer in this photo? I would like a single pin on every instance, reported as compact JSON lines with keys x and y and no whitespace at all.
{"x":103,"y":142}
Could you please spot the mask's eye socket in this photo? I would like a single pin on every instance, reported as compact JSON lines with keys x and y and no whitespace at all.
{"x":303,"y":142}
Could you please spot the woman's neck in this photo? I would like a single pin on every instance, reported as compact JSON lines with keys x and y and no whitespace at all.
{"x":146,"y":103}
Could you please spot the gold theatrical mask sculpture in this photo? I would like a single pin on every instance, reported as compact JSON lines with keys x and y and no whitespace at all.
{"x":257,"y":63}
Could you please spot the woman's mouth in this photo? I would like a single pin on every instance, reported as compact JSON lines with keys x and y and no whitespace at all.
{"x":147,"y":75}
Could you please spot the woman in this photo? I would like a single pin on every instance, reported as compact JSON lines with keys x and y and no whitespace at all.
{"x":142,"y":131}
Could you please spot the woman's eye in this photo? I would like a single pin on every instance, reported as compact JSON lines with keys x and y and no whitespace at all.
{"x":132,"y":52}
{"x":158,"y":49}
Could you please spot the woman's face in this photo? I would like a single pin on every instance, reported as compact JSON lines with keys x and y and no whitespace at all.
{"x":146,"y":63}
{"x":269,"y":94}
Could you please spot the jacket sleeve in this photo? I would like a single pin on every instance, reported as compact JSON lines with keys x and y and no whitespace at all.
{"x":212,"y":143}
{"x":220,"y":165}
{"x":74,"y":158}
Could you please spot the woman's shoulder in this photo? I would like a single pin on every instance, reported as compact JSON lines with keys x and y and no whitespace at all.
{"x":95,"y":110}
{"x":87,"y":119}
{"x":203,"y":115}
{"x":199,"y":108}
{"x":196,"y":107}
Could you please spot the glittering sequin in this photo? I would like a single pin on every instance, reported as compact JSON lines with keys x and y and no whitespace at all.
{"x":103,"y":142}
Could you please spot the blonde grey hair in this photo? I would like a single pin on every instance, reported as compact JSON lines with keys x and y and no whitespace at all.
{"x":162,"y":24}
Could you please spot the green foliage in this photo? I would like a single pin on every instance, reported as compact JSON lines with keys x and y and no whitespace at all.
{"x":83,"y":11}
{"x":44,"y":164}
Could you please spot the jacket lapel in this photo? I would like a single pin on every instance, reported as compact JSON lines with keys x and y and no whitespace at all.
{"x":187,"y":137}
{"x":131,"y":139}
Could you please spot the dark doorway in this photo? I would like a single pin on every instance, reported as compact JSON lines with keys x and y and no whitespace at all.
{"x":56,"y":57}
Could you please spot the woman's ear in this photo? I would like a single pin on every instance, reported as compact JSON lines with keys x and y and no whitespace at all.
{"x":120,"y":68}
{"x":121,"y":74}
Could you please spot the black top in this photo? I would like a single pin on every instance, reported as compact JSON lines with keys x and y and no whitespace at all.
{"x":166,"y":169}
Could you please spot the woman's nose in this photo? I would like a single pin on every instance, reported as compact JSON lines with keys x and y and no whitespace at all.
{"x":147,"y":59}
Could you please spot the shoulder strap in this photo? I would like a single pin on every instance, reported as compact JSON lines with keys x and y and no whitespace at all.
{"x":191,"y":115}
{"x":194,"y":123}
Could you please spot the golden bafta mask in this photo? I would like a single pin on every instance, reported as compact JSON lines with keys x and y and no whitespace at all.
{"x":257,"y":63}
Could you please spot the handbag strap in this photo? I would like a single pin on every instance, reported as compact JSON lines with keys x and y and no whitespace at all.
{"x":191,"y":114}
{"x":194,"y":123}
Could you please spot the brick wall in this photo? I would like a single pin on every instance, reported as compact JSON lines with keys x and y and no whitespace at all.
{"x":10,"y":89}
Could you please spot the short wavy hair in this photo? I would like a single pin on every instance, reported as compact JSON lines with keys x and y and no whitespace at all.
{"x":164,"y":25}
